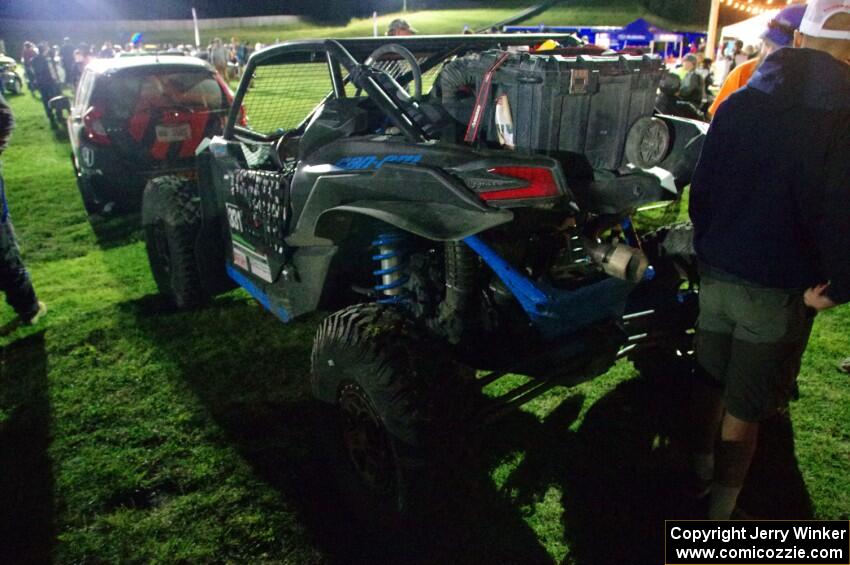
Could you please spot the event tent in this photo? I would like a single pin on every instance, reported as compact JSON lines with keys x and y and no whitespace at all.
{"x":749,"y":31}
{"x":641,"y":32}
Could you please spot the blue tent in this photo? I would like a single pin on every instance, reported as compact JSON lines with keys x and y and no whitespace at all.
{"x":641,"y":32}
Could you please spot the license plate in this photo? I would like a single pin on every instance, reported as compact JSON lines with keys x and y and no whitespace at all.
{"x":173,"y":133}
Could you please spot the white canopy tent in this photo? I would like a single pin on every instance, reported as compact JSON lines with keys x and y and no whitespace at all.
{"x":749,"y":31}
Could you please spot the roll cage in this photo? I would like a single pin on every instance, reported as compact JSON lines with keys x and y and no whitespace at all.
{"x":345,"y":59}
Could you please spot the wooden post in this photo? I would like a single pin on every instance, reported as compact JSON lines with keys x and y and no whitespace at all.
{"x":713,"y":20}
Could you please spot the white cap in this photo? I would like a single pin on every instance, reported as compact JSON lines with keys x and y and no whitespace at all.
{"x":817,"y":14}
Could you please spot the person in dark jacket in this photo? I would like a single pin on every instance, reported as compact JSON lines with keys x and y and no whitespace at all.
{"x":14,"y":280}
{"x":44,"y":81}
{"x":772,"y":233}
{"x":692,"y":88}
{"x":66,"y":54}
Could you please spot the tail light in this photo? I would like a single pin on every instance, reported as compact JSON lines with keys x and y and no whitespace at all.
{"x":540,"y":184}
{"x":94,"y":130}
{"x":242,"y":120}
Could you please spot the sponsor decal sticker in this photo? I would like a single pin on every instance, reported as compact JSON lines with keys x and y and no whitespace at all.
{"x":255,"y":263}
{"x":240,"y":259}
{"x":373,"y":162}
{"x":260,"y":267}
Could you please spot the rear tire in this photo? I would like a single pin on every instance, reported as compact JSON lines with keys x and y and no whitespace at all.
{"x":386,"y":390}
{"x":171,"y":215}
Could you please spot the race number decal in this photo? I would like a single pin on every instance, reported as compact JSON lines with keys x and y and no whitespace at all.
{"x":234,"y":218}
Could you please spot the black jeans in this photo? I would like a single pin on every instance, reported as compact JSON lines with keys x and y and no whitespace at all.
{"x":48,"y":92}
{"x":14,"y":279}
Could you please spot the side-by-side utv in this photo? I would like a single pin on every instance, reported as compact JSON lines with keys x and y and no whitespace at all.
{"x":462,"y":205}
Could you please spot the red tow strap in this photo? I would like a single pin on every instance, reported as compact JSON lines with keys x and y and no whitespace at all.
{"x":482,"y":99}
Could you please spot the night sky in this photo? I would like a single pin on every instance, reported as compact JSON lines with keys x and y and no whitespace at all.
{"x":144,"y":9}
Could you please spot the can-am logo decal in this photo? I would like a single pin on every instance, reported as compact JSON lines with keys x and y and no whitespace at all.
{"x":373,"y":162}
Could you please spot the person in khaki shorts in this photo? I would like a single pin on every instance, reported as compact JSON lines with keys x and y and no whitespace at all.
{"x":770,"y":203}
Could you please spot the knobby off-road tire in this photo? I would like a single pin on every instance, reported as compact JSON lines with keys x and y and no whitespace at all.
{"x":386,"y":394}
{"x":171,"y":215}
{"x":16,"y":86}
{"x":670,"y":250}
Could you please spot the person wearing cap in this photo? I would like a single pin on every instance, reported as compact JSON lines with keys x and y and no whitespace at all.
{"x":772,"y":235}
{"x":14,"y":280}
{"x":45,"y":81}
{"x":400,"y":27}
{"x":692,"y":85}
{"x":779,"y":33}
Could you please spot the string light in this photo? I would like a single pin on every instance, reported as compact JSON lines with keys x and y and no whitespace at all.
{"x":751,"y":7}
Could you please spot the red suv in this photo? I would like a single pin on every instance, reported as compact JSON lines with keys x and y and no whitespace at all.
{"x":139,"y":117}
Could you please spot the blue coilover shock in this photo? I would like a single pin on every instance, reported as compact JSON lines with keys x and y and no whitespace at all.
{"x":391,"y":259}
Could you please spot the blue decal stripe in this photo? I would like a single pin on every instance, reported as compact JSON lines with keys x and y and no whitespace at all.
{"x":257,"y":293}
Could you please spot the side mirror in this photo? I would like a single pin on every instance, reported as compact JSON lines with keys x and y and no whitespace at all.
{"x":60,"y":106}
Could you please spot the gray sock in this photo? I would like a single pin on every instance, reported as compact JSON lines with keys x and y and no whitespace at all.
{"x":722,"y":501}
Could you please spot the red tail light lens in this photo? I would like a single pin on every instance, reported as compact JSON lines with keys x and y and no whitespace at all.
{"x":242,"y":121}
{"x":94,"y":130}
{"x":541,"y":184}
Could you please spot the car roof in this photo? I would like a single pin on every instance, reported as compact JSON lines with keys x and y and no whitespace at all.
{"x":101,"y":66}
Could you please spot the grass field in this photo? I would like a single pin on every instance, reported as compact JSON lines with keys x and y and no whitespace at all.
{"x":132,"y":433}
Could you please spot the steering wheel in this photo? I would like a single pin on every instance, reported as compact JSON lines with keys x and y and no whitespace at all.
{"x":405,"y":54}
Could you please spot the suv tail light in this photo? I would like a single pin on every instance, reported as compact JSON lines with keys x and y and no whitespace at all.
{"x":94,"y":130}
{"x":242,"y":121}
{"x":541,"y":184}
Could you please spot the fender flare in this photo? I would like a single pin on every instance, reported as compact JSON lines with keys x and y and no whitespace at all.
{"x":429,"y":220}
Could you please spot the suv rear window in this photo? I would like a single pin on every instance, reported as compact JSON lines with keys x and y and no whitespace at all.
{"x":123,"y":95}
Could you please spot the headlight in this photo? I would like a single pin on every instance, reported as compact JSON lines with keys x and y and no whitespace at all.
{"x":648,"y":142}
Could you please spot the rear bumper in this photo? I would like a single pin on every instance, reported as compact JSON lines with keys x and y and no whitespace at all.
{"x":108,"y":176}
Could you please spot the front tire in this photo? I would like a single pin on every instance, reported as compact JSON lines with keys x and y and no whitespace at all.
{"x":171,"y":215}
{"x":16,"y":86}
{"x":384,"y":388}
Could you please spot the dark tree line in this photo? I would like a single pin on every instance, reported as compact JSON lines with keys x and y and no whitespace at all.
{"x":680,"y":10}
